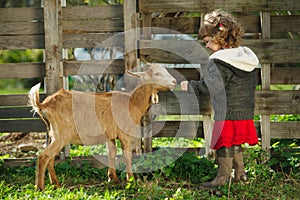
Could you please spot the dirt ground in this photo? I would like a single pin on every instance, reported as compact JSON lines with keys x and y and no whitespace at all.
{"x":20,"y":145}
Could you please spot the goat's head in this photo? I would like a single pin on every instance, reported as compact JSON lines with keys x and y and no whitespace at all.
{"x":157,"y":76}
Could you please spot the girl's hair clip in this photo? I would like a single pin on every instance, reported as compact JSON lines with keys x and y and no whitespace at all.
{"x":221,"y":27}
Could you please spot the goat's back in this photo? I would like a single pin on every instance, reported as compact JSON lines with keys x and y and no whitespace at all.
{"x":89,"y":114}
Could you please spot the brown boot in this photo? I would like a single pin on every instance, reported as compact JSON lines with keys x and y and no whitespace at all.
{"x":238,"y":165}
{"x":225,"y":159}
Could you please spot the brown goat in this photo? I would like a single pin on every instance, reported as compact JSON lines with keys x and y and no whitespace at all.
{"x":94,"y":118}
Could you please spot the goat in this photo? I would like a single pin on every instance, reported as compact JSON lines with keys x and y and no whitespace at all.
{"x":95,"y":118}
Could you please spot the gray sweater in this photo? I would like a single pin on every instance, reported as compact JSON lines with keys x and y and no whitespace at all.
{"x":229,"y":81}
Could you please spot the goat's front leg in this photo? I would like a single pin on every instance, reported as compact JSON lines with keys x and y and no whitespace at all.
{"x":112,"y":151}
{"x":128,"y":160}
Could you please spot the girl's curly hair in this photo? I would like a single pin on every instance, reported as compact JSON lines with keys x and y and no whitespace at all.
{"x":223,"y":28}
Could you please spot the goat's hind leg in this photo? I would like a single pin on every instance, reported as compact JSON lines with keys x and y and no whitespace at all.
{"x":52,"y":175}
{"x":42,"y":163}
{"x":44,"y":158}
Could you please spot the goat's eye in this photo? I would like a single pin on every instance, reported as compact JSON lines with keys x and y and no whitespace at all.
{"x":157,"y":74}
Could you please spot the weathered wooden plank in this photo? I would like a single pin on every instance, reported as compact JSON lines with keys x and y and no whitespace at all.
{"x":94,"y":67}
{"x":21,"y":14}
{"x":182,"y":74}
{"x":285,"y":130}
{"x":22,"y":126}
{"x":279,"y":130}
{"x":180,"y":103}
{"x":266,"y":102}
{"x":287,"y":23}
{"x":169,"y":6}
{"x":17,"y":162}
{"x":86,"y":40}
{"x":93,"y":26}
{"x":22,"y":42}
{"x":279,"y":75}
{"x":22,"y":70}
{"x":173,"y":51}
{"x":180,"y":51}
{"x":96,"y":161}
{"x":92,"y":12}
{"x":191,"y":25}
{"x":22,"y":28}
{"x":277,"y":102}
{"x":16,"y":99}
{"x":250,"y":24}
{"x":266,"y":83}
{"x":187,"y":25}
{"x":285,"y":75}
{"x":187,"y":129}
{"x":15,"y":112}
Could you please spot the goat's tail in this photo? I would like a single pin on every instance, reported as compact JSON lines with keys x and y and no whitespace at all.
{"x":34,"y":98}
{"x":34,"y":102}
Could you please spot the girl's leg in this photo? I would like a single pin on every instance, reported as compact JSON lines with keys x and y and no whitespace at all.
{"x":238,"y":165}
{"x":224,"y":159}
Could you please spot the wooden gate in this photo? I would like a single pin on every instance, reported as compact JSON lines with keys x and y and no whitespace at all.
{"x":272,"y":31}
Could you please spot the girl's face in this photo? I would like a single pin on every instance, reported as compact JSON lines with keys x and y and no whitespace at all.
{"x":210,"y":44}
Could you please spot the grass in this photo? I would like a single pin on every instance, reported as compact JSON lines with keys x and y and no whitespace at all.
{"x":151,"y":190}
{"x":179,"y":180}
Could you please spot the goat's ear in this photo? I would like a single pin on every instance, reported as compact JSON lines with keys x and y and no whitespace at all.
{"x":135,"y":74}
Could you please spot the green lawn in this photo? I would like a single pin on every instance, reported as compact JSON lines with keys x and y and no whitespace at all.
{"x":180,"y":179}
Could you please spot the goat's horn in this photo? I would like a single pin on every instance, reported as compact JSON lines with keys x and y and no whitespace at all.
{"x":144,"y":60}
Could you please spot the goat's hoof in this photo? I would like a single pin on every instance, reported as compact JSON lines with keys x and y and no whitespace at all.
{"x":39,"y":188}
{"x":116,"y":181}
{"x":56,"y":186}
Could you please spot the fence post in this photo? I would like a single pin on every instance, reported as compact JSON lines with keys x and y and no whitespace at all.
{"x":54,"y":79}
{"x":265,"y":83}
{"x":53,"y":46}
{"x":207,"y":121}
{"x":131,"y":33}
{"x":147,"y":129}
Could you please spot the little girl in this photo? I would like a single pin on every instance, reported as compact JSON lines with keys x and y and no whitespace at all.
{"x":229,"y":80}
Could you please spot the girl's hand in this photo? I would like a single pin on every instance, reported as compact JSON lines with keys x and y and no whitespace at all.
{"x":184,"y":85}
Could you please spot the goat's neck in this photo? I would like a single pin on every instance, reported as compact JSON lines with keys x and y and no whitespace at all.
{"x":141,"y":97}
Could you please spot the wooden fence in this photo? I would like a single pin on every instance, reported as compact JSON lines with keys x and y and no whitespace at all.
{"x":273,"y":37}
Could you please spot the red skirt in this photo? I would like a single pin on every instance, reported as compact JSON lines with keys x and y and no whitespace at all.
{"x":233,"y":132}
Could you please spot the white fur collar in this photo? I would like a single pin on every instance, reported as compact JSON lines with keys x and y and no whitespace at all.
{"x":241,"y":57}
